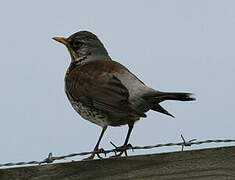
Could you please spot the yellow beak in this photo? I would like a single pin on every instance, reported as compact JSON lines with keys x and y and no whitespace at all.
{"x":61,"y":40}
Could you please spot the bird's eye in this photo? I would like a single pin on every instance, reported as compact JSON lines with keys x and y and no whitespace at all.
{"x":76,"y":45}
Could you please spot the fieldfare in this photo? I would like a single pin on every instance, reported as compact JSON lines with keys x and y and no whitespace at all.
{"x":105,"y":92}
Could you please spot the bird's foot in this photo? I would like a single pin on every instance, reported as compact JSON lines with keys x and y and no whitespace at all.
{"x":97,"y":152}
{"x":121,"y":149}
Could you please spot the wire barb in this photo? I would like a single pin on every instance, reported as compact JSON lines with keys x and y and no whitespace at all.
{"x":51,"y":159}
{"x":48,"y":160}
{"x":186,"y":143}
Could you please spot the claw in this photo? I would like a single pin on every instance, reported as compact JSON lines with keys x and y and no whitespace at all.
{"x":95,"y":152}
{"x":121,"y":149}
{"x":100,"y":151}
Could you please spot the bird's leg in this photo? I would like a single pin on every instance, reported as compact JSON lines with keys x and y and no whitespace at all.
{"x":97,"y":146}
{"x":122,"y":149}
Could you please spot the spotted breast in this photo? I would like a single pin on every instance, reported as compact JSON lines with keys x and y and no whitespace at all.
{"x":87,"y":112}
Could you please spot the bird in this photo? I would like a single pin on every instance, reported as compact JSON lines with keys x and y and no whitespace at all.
{"x":105,"y":92}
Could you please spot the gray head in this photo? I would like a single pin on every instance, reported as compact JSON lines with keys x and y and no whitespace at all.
{"x":84,"y":45}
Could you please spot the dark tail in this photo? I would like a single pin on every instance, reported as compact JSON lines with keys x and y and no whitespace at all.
{"x":162,"y":96}
{"x":160,"y":109}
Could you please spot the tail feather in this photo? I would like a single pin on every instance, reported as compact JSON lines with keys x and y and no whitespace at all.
{"x":162,"y":96}
{"x":160,"y":109}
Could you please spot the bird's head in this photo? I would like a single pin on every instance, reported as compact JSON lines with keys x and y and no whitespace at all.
{"x":84,"y":45}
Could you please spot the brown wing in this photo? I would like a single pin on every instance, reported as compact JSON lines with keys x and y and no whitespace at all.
{"x":94,"y":84}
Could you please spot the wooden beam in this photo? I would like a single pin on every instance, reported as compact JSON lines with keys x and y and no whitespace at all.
{"x":215,"y":164}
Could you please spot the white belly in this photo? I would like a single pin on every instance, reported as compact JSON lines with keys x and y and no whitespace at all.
{"x":91,"y":114}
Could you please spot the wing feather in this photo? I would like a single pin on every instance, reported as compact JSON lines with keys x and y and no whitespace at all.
{"x":95,"y":84}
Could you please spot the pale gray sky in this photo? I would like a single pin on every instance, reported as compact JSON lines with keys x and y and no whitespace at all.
{"x":182,"y":45}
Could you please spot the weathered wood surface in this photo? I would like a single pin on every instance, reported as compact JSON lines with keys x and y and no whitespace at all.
{"x":205,"y":164}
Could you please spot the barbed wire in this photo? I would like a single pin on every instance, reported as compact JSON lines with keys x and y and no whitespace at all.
{"x":184,"y":143}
